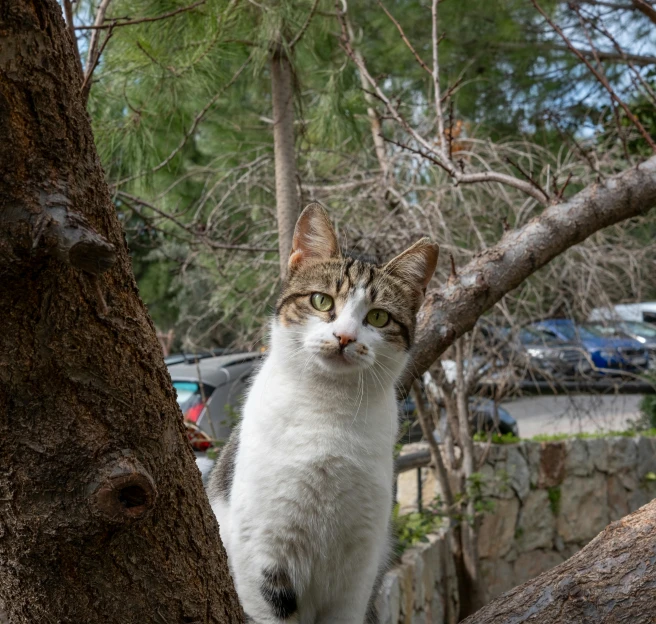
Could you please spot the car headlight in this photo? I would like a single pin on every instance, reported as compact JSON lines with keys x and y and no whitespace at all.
{"x":608,"y":354}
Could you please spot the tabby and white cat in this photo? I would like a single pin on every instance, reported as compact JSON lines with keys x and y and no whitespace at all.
{"x":303,"y":488}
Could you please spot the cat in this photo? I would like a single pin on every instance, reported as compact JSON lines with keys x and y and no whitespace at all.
{"x":303,"y":488}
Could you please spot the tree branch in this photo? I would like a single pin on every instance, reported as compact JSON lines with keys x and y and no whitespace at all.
{"x":142,"y":20}
{"x":610,"y":580}
{"x":300,"y":33}
{"x":599,"y":76}
{"x":452,"y":310}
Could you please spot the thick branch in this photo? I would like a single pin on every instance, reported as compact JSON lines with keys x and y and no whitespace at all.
{"x":610,"y":580}
{"x":453,"y":309}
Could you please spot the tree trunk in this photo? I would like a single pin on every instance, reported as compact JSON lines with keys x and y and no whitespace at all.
{"x":611,"y":580}
{"x":452,"y":310}
{"x":287,"y":202}
{"x":103,"y":518}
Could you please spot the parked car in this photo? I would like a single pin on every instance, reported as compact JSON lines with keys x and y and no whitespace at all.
{"x":608,"y":355}
{"x":210,"y":391}
{"x":188,"y":358}
{"x":644,"y":333}
{"x":641,"y":312}
{"x":481,"y":416}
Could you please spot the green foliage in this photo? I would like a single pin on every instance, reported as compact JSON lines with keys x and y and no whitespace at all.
{"x":627,"y":433}
{"x":174,"y":132}
{"x":413,"y":528}
{"x":554,"y":499}
{"x":496,"y":438}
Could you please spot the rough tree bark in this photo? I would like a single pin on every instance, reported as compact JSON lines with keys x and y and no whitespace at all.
{"x":102,"y":513}
{"x":452,"y":310}
{"x":611,"y":580}
{"x":287,"y":201}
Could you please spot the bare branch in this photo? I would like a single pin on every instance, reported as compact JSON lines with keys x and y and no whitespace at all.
{"x":453,"y":309}
{"x":436,"y":78}
{"x":405,"y":39}
{"x":599,"y":76}
{"x":141,"y":20}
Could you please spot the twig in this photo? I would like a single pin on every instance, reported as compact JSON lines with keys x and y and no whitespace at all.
{"x":199,"y":235}
{"x":193,"y":126}
{"x":305,"y":26}
{"x":528,"y":176}
{"x":142,"y":20}
{"x":88,"y":74}
{"x":405,"y":39}
{"x":436,"y":77}
{"x":438,"y":156}
{"x":600,"y":77}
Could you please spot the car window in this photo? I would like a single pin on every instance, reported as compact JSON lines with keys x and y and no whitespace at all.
{"x":568,"y":331}
{"x":188,"y":393}
{"x":534,"y":336}
{"x":641,"y":329}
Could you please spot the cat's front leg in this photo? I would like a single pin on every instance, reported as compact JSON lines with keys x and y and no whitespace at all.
{"x":268,"y":594}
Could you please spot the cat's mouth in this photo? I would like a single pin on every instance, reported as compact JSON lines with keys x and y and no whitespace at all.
{"x":339,"y":359}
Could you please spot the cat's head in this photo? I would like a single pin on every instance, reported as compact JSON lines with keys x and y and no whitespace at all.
{"x":342,"y":315}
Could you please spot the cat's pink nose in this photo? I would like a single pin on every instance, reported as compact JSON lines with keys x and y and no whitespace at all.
{"x":344,"y":338}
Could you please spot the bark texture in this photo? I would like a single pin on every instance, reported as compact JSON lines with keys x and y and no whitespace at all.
{"x":612,"y":580}
{"x":287,"y":201}
{"x":452,"y":310}
{"x":102,"y":513}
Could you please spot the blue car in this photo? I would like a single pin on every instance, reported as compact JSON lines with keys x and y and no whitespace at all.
{"x":608,"y":354}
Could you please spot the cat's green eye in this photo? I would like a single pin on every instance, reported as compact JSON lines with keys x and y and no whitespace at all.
{"x":322,"y":302}
{"x":377,"y":318}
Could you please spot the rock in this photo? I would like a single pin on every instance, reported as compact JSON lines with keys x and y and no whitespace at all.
{"x":498,"y":577}
{"x":414,"y":560}
{"x":552,"y":464}
{"x":437,"y":614}
{"x":497,"y":530}
{"x":646,"y":456}
{"x":643,"y":494}
{"x":622,"y":454}
{"x":598,"y":449}
{"x":518,"y":472}
{"x":532,"y":452}
{"x":618,"y":499}
{"x":495,"y":481}
{"x":578,"y":463}
{"x":430,"y":555}
{"x":388,"y":602}
{"x":537,"y":524}
{"x":583,"y":508}
{"x":531,"y":564}
{"x":407,"y":594}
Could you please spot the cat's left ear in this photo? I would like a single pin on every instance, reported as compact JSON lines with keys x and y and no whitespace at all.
{"x":314,"y":237}
{"x":416,"y":264}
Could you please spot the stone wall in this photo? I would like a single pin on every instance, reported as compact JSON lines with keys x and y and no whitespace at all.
{"x":549,"y":498}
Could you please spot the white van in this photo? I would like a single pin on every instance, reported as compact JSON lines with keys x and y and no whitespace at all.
{"x":641,"y":312}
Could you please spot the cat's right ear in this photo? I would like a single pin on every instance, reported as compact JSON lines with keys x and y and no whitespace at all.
{"x":314,"y":237}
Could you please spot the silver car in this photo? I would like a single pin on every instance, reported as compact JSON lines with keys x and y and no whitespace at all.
{"x":210,"y":392}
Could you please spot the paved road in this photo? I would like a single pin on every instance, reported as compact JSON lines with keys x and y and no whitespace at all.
{"x":574,"y":413}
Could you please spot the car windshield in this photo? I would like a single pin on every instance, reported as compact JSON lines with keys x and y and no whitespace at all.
{"x":641,"y":329}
